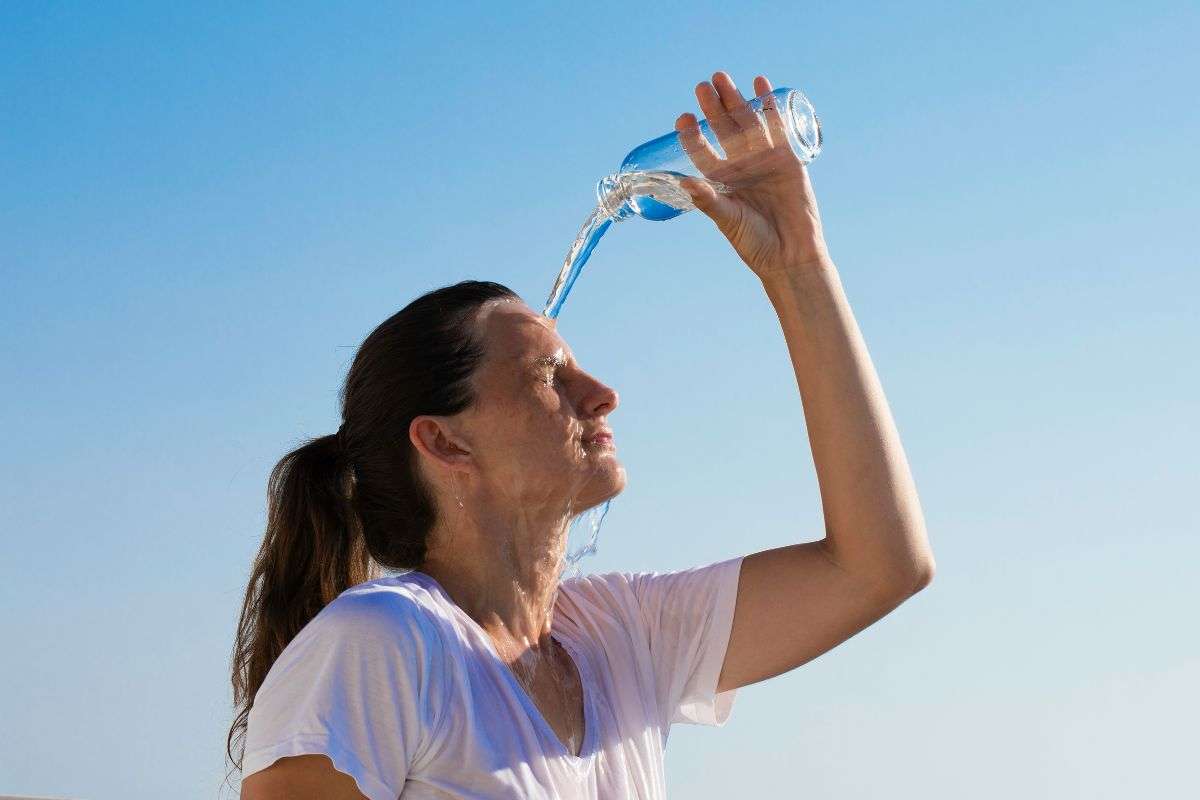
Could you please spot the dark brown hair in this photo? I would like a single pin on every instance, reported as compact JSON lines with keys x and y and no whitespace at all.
{"x":343,"y":505}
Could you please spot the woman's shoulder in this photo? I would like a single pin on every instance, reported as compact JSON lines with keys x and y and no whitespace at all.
{"x":392,"y":606}
{"x":599,"y":597}
{"x":632,"y":594}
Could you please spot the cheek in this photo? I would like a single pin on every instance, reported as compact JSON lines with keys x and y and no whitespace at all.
{"x":557,"y":432}
{"x":537,"y":427}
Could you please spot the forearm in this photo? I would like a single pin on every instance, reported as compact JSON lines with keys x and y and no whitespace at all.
{"x":873,"y":520}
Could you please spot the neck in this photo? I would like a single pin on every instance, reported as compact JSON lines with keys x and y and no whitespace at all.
{"x":502,"y":569}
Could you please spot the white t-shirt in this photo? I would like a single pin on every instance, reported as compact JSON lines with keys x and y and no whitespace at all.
{"x":405,"y":692}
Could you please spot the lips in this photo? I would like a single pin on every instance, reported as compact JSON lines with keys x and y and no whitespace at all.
{"x":603,"y":436}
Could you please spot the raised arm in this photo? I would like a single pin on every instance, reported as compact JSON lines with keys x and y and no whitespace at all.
{"x":798,"y":601}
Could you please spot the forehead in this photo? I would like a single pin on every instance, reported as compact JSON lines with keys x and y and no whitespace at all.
{"x":512,"y":331}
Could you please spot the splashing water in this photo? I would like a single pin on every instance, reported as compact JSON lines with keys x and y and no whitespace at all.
{"x":597,"y":223}
{"x":592,"y":518}
{"x":652,"y":195}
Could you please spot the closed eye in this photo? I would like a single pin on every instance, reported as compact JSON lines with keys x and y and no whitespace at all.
{"x":552,"y":367}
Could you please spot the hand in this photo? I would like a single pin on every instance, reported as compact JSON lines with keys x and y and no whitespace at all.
{"x":771,"y":216}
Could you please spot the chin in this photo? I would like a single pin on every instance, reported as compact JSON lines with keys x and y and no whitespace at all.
{"x":606,"y":485}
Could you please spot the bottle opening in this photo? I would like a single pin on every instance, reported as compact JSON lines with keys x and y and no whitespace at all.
{"x":613,"y":196}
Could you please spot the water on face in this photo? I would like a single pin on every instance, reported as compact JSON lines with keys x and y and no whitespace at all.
{"x":654,"y":195}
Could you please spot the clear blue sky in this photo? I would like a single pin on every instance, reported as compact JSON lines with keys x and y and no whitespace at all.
{"x":203,"y":211}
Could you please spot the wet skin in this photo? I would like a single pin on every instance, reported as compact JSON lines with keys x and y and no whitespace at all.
{"x":519,"y":463}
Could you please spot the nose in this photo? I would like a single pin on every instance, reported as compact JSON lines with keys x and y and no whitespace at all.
{"x":602,"y":399}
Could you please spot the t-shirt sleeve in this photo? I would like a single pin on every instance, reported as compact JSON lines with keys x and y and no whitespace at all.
{"x":688,"y":616}
{"x":356,"y":684}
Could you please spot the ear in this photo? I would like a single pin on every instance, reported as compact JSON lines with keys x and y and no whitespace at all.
{"x":437,"y":439}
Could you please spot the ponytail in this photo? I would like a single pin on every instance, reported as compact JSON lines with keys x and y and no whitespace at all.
{"x":313,"y":550}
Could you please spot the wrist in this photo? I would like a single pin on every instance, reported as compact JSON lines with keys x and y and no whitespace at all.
{"x":789,"y":271}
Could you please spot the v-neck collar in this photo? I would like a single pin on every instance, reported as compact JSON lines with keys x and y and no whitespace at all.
{"x":587,"y":750}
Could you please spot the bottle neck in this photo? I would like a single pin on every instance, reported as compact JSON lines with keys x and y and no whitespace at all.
{"x":613,"y":196}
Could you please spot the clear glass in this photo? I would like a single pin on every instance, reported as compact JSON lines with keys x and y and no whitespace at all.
{"x":647,"y":184}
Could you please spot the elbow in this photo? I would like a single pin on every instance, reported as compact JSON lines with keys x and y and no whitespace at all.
{"x":923,"y":575}
{"x":911,"y":580}
{"x":901,"y":584}
{"x":902,"y":575}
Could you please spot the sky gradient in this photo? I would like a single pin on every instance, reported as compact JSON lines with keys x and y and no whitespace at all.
{"x":203,"y":213}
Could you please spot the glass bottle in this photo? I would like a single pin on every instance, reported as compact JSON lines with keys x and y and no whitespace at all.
{"x":647,"y":184}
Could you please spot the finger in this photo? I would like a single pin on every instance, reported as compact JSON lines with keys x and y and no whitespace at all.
{"x":753,"y":127}
{"x":695,"y":145}
{"x":715,"y":206}
{"x":719,"y":121}
{"x":772,"y":114}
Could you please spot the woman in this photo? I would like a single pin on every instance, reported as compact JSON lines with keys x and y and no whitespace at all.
{"x":471,"y":437}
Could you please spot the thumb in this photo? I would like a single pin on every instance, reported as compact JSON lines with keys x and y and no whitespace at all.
{"x":716,"y":206}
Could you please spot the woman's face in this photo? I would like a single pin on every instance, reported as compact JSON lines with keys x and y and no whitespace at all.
{"x":536,"y":409}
